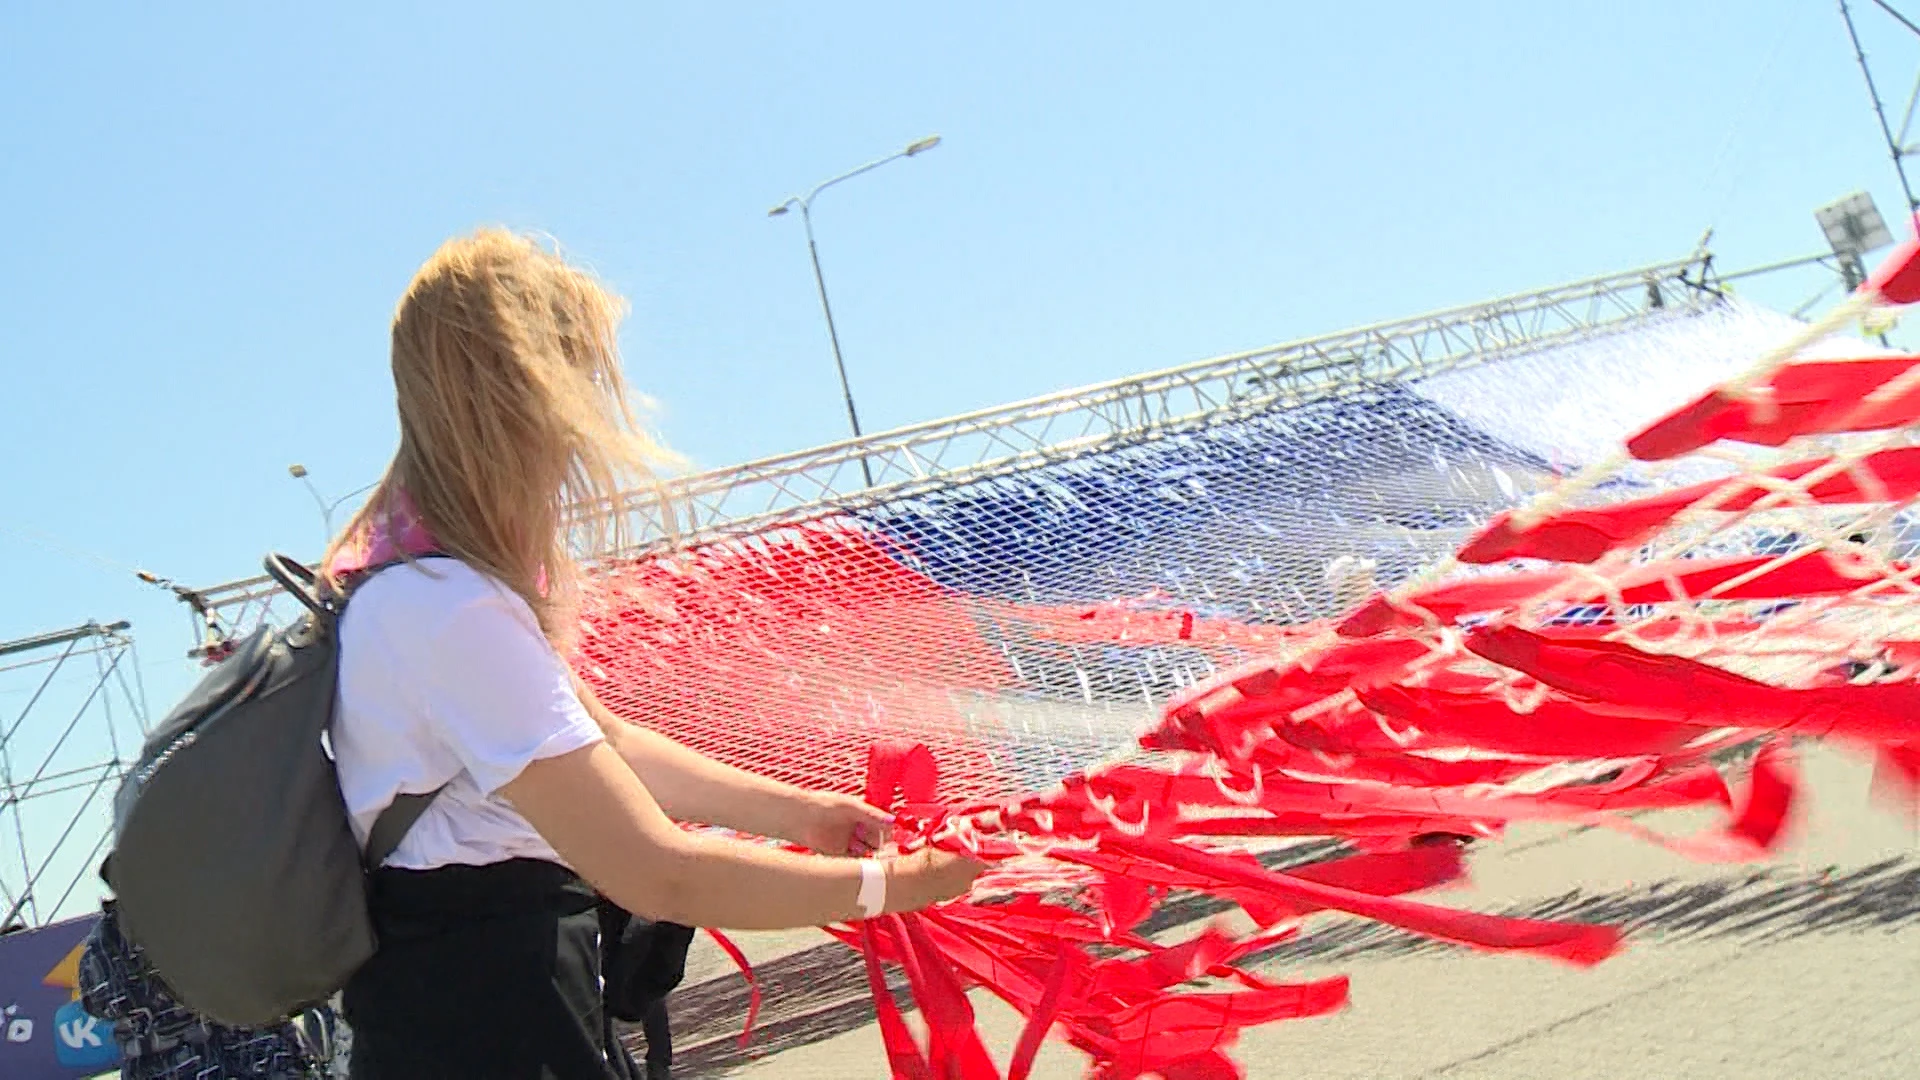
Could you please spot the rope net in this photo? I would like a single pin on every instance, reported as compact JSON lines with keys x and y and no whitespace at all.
{"x":1402,"y":615}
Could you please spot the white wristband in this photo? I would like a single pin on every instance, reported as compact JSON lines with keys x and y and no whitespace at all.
{"x":873,"y":888}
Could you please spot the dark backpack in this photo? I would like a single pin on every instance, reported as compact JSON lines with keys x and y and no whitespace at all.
{"x":235,"y":866}
{"x":641,"y":961}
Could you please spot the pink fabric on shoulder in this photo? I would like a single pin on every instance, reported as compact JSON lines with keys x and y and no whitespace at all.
{"x":386,"y":536}
{"x":391,"y":534}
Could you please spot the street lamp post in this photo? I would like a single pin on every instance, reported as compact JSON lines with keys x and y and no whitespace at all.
{"x":299,"y":472}
{"x":805,"y":203}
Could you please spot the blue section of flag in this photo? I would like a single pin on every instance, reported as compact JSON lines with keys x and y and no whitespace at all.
{"x":1237,"y":519}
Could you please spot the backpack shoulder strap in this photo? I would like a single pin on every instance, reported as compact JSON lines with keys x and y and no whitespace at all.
{"x":325,"y":602}
{"x":391,"y":826}
{"x":360,"y":577}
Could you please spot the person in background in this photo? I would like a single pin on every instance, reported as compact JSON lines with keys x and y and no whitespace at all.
{"x":657,"y":1026}
{"x":161,"y":1039}
{"x":517,"y":441}
{"x":641,"y":963}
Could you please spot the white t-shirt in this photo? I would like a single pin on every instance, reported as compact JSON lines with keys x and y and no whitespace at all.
{"x":445,"y":679}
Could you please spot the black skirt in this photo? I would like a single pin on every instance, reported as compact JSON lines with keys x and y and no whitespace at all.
{"x":482,"y":972}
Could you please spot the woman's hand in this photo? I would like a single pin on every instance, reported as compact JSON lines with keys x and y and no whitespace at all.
{"x":842,"y":825}
{"x":605,"y":824}
{"x":927,"y":877}
{"x":839,"y":825}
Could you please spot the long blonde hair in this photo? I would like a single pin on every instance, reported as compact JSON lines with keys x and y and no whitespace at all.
{"x":518,"y":438}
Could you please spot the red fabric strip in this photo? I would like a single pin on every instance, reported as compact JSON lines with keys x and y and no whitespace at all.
{"x":1897,"y":278}
{"x":1575,"y":943}
{"x":1807,"y":398}
{"x":1815,"y":573}
{"x":746,"y":972}
{"x":1896,"y":774}
{"x":903,"y":1054}
{"x":1583,"y":535}
{"x":1672,"y":687}
{"x":1557,"y":726}
{"x":954,"y":1050}
{"x":1040,"y":1020}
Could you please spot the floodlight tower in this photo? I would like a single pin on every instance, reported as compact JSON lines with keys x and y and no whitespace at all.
{"x":1854,"y":228}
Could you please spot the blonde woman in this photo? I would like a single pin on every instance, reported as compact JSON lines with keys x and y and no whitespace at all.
{"x":513,"y":418}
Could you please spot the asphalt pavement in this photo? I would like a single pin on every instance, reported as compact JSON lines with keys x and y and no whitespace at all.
{"x":1806,"y":966}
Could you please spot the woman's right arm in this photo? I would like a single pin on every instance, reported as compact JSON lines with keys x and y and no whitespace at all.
{"x":502,"y":701}
{"x":600,"y":818}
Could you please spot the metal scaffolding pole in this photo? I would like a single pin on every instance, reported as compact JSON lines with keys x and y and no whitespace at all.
{"x":808,"y":484}
{"x":1896,"y":147}
{"x":61,"y":758}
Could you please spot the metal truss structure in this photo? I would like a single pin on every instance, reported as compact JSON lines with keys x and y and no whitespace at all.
{"x":1900,"y":148}
{"x":811,"y":484}
{"x":80,"y":723}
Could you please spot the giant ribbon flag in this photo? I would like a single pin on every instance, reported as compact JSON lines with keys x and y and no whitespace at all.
{"x":1636,"y":639}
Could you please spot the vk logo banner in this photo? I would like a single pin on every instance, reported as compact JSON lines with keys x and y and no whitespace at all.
{"x":83,"y":1041}
{"x":45,"y":1034}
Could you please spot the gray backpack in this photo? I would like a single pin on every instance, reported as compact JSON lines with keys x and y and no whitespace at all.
{"x":235,"y":866}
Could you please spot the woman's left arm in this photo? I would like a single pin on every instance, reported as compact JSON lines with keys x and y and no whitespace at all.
{"x":691,"y":786}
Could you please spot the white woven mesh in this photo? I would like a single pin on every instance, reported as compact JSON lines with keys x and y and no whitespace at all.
{"x":1026,"y":626}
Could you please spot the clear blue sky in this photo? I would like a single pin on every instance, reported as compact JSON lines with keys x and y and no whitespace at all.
{"x":212,"y":208}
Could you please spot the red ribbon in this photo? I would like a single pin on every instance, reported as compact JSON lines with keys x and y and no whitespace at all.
{"x":1583,"y":535}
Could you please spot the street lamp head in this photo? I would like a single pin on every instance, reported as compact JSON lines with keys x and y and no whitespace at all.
{"x":923,"y":145}
{"x":778,"y":210}
{"x":297,"y":471}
